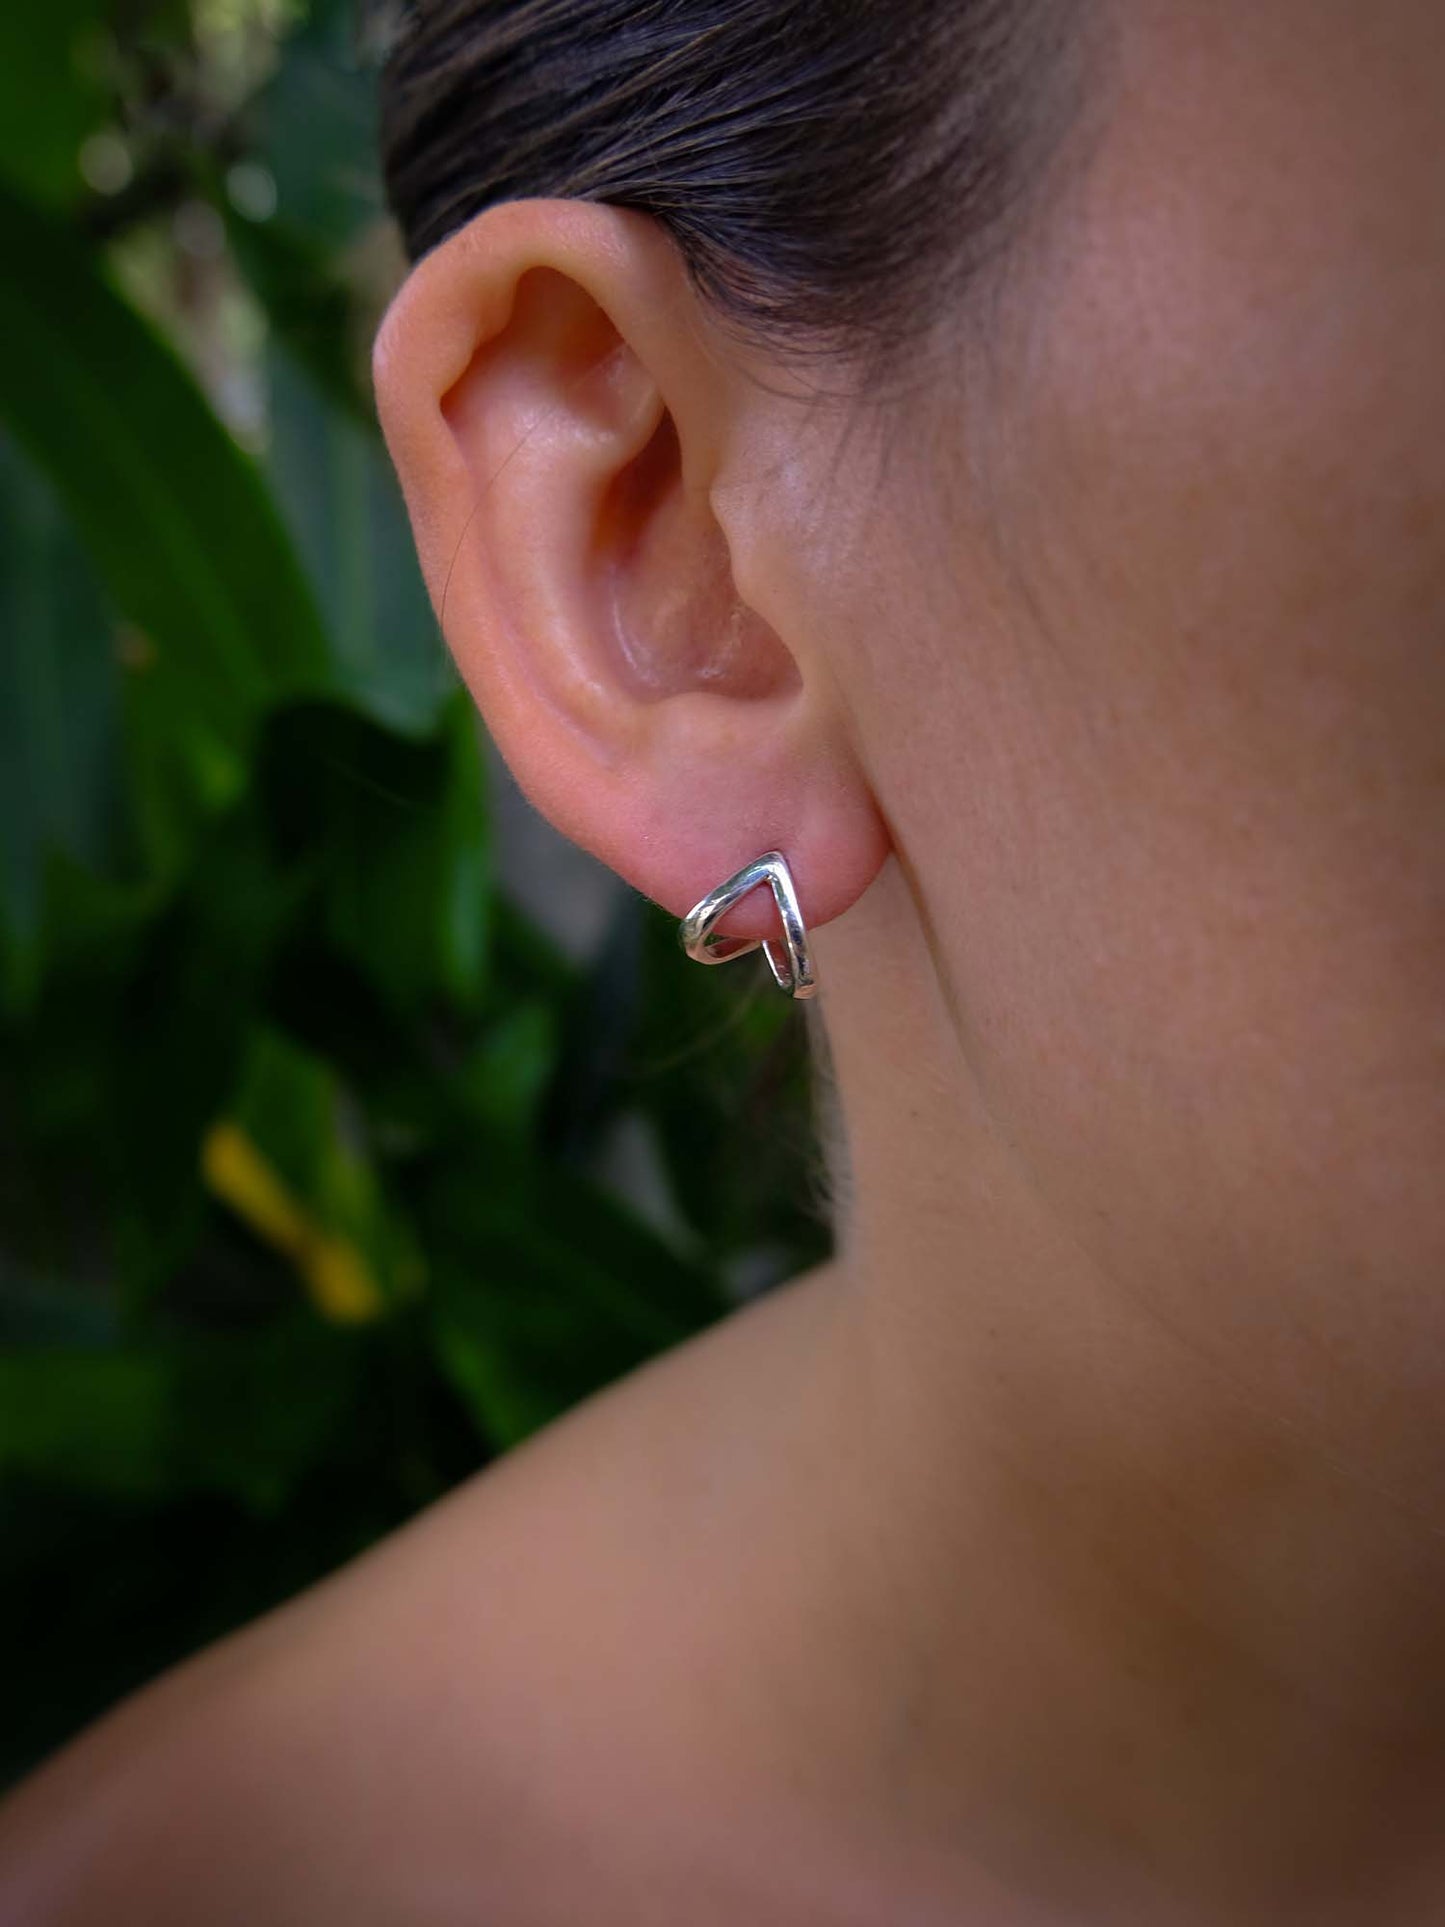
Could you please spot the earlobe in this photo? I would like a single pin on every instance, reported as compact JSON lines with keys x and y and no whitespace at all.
{"x":559,"y":414}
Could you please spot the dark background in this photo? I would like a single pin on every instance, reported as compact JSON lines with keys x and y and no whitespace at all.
{"x":351,"y":1126}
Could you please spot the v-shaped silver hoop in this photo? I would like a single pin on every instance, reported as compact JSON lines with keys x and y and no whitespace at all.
{"x":789,"y":961}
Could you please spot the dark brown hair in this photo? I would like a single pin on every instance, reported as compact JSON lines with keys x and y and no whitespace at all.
{"x":833,"y":171}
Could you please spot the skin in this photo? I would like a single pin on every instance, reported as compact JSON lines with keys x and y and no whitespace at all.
{"x":1072,"y":1549}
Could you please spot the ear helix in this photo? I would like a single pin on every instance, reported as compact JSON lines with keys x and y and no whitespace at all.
{"x":790,"y":960}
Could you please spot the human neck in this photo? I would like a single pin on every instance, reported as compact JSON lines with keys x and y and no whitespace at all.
{"x":1124,"y":1633}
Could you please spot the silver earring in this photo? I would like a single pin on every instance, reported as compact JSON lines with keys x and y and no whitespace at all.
{"x":789,"y":961}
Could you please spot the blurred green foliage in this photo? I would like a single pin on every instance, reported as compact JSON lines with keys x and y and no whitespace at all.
{"x":303,"y":1124}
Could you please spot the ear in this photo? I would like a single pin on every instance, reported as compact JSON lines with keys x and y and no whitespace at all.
{"x":565,"y":423}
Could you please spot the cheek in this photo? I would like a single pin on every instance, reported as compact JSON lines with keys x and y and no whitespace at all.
{"x":1237,"y":553}
{"x":1198,"y":907}
{"x":1235,"y":393}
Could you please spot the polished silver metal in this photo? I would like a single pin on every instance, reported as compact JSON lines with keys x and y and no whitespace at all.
{"x":790,"y":960}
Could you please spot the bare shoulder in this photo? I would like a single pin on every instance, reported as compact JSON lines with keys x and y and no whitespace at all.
{"x":499,"y":1679}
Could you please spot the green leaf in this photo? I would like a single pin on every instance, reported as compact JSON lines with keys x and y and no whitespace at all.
{"x":136,"y":1039}
{"x":175,"y":518}
{"x":50,"y":95}
{"x":317,"y":128}
{"x":308,"y":302}
{"x":104,"y":1588}
{"x":291,"y":1158}
{"x":62,"y":783}
{"x":397,"y":833}
{"x":98,"y":1417}
{"x":506,"y":1075}
{"x":339,"y":493}
{"x":545,"y":1290}
{"x":243,"y":1415}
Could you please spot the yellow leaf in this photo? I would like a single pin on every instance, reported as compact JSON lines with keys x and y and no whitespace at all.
{"x":334,"y":1271}
{"x":240,"y":1177}
{"x":340,"y":1281}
